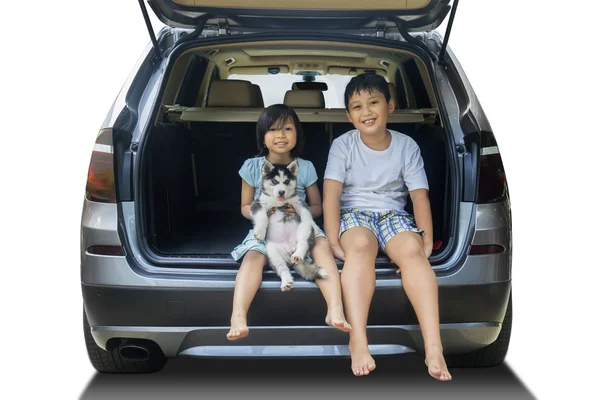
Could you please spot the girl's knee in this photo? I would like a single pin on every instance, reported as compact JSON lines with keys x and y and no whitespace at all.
{"x":321,"y":252}
{"x":254,"y":258}
{"x":322,"y":245}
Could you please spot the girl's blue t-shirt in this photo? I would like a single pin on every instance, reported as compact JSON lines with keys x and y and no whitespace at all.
{"x":251,"y":172}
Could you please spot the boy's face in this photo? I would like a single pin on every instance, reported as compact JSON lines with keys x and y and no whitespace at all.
{"x":369,"y":112}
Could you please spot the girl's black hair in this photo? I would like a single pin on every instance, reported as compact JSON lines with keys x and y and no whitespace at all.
{"x":278,"y":115}
{"x":367,"y":82}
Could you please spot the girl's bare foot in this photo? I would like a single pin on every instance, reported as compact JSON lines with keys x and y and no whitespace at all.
{"x":336,"y":319}
{"x":239,"y":329}
{"x":362,"y":362}
{"x":434,"y":359}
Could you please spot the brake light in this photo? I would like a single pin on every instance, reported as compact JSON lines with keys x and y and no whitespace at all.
{"x":101,"y":176}
{"x":492,"y":179}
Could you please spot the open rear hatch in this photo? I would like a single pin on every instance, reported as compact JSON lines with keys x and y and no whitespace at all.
{"x":420,"y":15}
{"x":349,"y":16}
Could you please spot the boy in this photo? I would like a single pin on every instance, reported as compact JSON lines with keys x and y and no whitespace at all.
{"x":370,"y":172}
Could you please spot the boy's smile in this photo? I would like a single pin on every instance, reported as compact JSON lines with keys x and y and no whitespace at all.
{"x":369,"y":111}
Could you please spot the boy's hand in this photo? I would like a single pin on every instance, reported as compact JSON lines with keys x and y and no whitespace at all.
{"x":427,"y":246}
{"x":338,"y":252}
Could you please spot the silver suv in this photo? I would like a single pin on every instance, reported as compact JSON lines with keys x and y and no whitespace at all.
{"x":161,"y":210}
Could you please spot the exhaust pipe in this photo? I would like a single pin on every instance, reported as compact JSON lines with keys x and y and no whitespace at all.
{"x":134,"y":350}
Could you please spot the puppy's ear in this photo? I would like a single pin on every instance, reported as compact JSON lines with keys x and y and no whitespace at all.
{"x":267,"y":167}
{"x":293,"y":167}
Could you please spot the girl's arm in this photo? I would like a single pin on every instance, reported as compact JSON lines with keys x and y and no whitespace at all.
{"x":422,"y":209}
{"x":314,"y":200}
{"x":247,"y":198}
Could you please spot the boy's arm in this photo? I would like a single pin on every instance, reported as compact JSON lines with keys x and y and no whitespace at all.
{"x":422,"y":210}
{"x":332,"y":194}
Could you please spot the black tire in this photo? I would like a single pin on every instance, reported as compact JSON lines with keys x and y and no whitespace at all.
{"x":491,"y":355}
{"x":112,"y":362}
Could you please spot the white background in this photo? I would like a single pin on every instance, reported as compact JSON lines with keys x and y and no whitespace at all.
{"x":532,"y":64}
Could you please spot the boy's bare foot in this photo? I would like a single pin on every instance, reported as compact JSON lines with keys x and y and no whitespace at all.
{"x":362,"y":362}
{"x":337,"y":320}
{"x":434,"y":359}
{"x":239,"y":329}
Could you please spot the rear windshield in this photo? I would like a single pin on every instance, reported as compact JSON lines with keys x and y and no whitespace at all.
{"x":273,"y":87}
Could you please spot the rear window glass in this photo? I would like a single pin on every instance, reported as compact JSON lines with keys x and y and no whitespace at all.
{"x":273,"y":87}
{"x":416,"y":81}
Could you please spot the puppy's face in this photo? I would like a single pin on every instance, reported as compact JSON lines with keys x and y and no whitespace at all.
{"x":279,"y":181}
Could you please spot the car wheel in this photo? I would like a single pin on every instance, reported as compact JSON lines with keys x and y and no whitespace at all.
{"x":113,"y":362}
{"x":490,"y":355}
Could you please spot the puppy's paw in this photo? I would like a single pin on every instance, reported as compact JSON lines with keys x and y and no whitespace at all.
{"x":260,"y":234}
{"x":297,"y":257}
{"x":287,"y":284}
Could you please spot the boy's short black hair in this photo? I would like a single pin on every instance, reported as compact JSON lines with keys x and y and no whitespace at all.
{"x":278,"y":114}
{"x":369,"y":82}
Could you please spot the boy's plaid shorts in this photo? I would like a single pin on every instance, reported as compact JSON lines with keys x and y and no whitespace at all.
{"x":384,"y":225}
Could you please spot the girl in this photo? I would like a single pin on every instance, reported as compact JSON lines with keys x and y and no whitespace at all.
{"x":279,"y":139}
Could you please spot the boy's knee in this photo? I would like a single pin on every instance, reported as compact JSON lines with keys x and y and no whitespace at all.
{"x":410,"y":247}
{"x":362,"y":245}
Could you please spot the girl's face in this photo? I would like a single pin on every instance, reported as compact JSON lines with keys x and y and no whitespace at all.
{"x":281,"y":138}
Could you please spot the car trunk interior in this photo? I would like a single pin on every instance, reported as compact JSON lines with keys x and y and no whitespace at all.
{"x":194,"y":189}
{"x":191,"y":190}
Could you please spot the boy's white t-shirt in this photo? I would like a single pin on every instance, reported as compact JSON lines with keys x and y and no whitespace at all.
{"x":376,"y":180}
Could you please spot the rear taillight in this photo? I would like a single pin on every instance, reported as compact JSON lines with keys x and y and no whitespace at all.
{"x":492,"y":179}
{"x":101,"y":175}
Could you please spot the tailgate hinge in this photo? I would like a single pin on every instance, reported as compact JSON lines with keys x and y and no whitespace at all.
{"x":403,"y":29}
{"x":200,"y":22}
{"x":441,"y":59}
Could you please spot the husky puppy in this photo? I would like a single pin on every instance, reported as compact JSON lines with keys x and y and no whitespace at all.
{"x":289,"y":237}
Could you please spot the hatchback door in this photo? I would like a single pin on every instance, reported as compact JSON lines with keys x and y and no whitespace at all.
{"x":418,"y":15}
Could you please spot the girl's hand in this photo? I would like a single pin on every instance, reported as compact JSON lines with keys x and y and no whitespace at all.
{"x":290,"y":210}
{"x":270,"y":211}
{"x":338,"y":252}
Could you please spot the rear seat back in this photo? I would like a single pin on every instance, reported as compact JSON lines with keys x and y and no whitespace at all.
{"x":220,"y":148}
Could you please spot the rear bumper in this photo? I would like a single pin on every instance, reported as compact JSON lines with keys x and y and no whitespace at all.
{"x":298,"y":341}
{"x":194,"y":322}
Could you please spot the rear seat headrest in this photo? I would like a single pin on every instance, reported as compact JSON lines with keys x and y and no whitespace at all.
{"x":258,"y":95}
{"x":233,"y":93}
{"x":304,"y":99}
